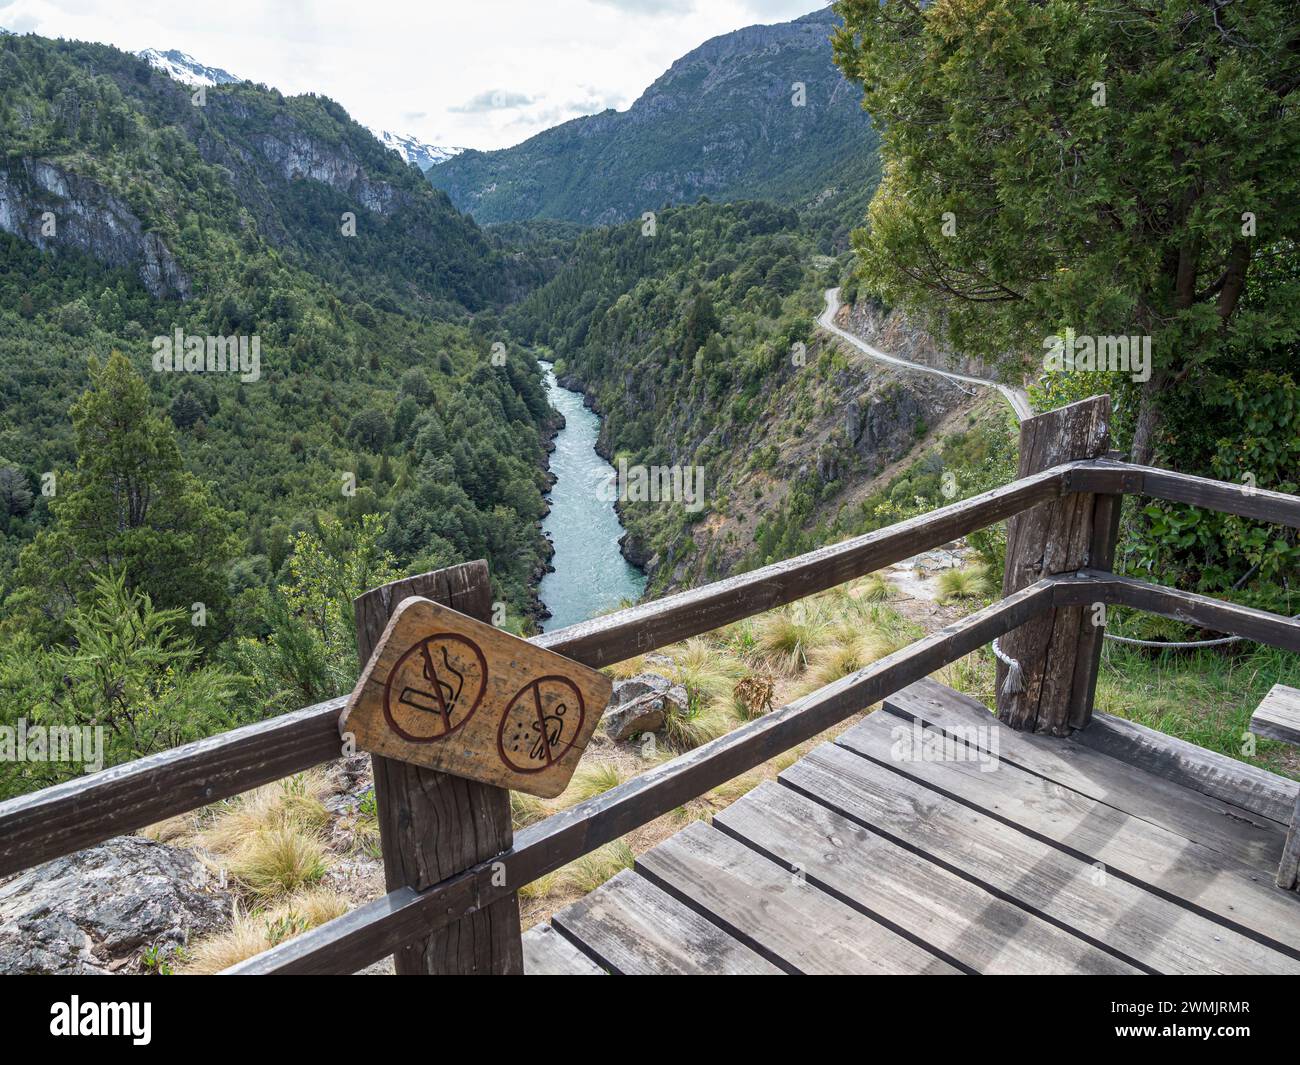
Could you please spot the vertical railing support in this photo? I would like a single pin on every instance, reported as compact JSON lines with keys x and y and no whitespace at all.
{"x":1059,"y":651}
{"x":433,"y":825}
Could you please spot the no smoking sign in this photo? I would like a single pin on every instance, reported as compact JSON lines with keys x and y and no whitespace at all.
{"x":450,"y":693}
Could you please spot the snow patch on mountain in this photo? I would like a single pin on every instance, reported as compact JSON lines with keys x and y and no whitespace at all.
{"x":189,"y":71}
{"x":185,"y":68}
{"x":415,"y":151}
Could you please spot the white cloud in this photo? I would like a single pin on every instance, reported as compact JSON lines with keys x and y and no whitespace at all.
{"x":416,"y":67}
{"x":650,"y":7}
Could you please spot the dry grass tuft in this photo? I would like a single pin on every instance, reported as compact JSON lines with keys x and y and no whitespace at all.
{"x":295,"y":802}
{"x":277,"y":861}
{"x":526,"y":809}
{"x":969,"y":582}
{"x":627,"y":669}
{"x":257,"y":930}
{"x":592,"y":778}
{"x":786,"y":637}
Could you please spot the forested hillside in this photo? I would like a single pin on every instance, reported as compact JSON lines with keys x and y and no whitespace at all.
{"x":696,"y":342}
{"x":373,"y":435}
{"x":760,"y":113}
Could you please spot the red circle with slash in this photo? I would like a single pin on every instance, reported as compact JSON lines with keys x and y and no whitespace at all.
{"x":546,"y":737}
{"x":430,"y":683}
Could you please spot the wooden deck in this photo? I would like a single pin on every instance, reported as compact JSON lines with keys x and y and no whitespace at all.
{"x":1117,"y":851}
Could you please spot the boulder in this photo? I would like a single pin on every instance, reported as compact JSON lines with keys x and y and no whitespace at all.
{"x":642,"y":705}
{"x":635,"y":687}
{"x":93,"y":911}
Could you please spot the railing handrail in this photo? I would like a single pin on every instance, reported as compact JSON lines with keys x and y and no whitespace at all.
{"x":75,"y":814}
{"x":375,"y":930}
{"x":79,"y":813}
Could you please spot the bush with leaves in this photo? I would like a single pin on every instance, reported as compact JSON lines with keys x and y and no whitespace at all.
{"x":131,"y":669}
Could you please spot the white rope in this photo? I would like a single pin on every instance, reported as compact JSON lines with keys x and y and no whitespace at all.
{"x":1172,"y":646}
{"x":1218,"y":641}
{"x":1015,"y":682}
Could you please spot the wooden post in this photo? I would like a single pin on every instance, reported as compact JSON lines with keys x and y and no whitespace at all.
{"x":433,"y":825}
{"x":1059,"y":651}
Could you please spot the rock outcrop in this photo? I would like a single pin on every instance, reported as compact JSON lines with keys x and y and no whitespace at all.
{"x":52,"y":208}
{"x":97,"y":910}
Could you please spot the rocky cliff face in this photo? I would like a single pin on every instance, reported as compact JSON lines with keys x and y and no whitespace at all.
{"x":830,"y":435}
{"x":893,"y":331}
{"x":54,"y":208}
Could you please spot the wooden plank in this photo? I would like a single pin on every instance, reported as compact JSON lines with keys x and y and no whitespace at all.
{"x":354,"y":940}
{"x":1278,"y":716}
{"x":635,"y":929}
{"x":1214,"y":884}
{"x":1106,"y":514}
{"x":1054,"y":651}
{"x":1143,"y":928}
{"x":1257,"y":503}
{"x":779,"y":914}
{"x":952,"y":916}
{"x":1232,"y":830}
{"x":433,"y":825}
{"x":1194,"y":767}
{"x":1288,"y":867}
{"x":547,"y":953}
{"x":80,"y":813}
{"x":452,"y":693}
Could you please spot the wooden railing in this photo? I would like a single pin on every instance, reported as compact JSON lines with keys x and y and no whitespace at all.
{"x":65,"y":818}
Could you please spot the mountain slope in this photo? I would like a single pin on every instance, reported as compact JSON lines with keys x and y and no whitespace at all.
{"x":189,"y":71}
{"x":128,"y":212}
{"x":126,"y":150}
{"x":722,"y":123}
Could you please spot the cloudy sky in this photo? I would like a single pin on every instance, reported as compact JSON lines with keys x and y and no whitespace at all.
{"x":473,"y":73}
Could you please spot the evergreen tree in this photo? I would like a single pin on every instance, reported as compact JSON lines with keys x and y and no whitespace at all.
{"x":129,"y":506}
{"x":1115,"y":169}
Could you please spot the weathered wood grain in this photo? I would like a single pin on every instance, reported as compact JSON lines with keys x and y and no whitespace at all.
{"x":1288,"y":867}
{"x":80,"y":813}
{"x":547,"y":953}
{"x":635,"y":929}
{"x":1203,"y":610}
{"x":1278,"y":716}
{"x":433,"y":825}
{"x":1257,"y":503}
{"x":1249,"y":838}
{"x":777,"y":912}
{"x":1056,"y":651}
{"x":367,"y":934}
{"x":954,"y":918}
{"x":1219,"y":887}
{"x":1191,"y":766}
{"x":1106,"y":514}
{"x":451,"y":693}
{"x":1136,"y":925}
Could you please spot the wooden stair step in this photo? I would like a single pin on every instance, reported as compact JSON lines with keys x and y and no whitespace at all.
{"x":1278,"y":716}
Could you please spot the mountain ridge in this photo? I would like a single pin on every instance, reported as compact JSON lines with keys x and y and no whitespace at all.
{"x":758,"y":113}
{"x":183,"y":67}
